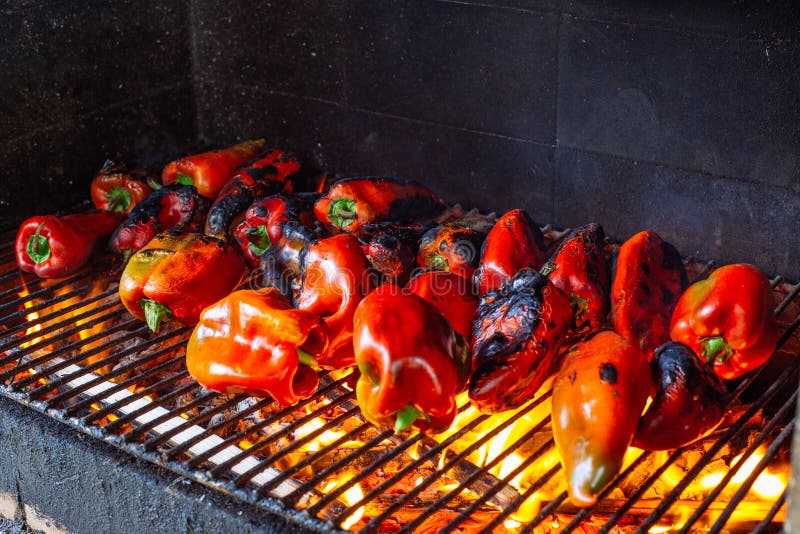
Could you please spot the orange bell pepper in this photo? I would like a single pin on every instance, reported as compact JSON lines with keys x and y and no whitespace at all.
{"x":254,"y":342}
{"x":116,"y":189}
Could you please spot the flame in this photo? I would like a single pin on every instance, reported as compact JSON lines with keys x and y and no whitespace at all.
{"x":350,"y":497}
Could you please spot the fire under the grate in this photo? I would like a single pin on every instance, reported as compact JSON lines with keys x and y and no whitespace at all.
{"x":69,"y":348}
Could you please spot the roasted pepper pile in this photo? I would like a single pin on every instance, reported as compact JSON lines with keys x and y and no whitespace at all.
{"x":425,"y":300}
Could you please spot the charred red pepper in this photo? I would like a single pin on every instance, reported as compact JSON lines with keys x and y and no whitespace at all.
{"x":580,"y":270}
{"x":334,"y":280}
{"x":515,"y":340}
{"x":727,"y":318}
{"x":455,"y":246}
{"x":209,"y":171}
{"x":412,"y":362}
{"x":176,"y":208}
{"x":515,"y":242}
{"x":53,"y":247}
{"x":451,"y":294}
{"x":689,"y":404}
{"x":254,"y":342}
{"x":116,"y":189}
{"x":390,"y":249}
{"x":267,"y":175}
{"x":351,"y":203}
{"x":649,"y":277}
{"x":275,"y":221}
{"x":598,"y":395}
{"x":177,"y":275}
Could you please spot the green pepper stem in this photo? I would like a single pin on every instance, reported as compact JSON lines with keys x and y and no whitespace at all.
{"x":118,"y":199}
{"x":38,"y":248}
{"x":155,"y":186}
{"x":307,"y":359}
{"x":406,"y":417}
{"x":547,"y":268}
{"x":184,"y":179}
{"x":342,"y":212}
{"x":258,"y":240}
{"x":154,"y":313}
{"x":715,"y":349}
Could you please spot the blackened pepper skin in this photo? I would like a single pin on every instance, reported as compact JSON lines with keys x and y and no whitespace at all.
{"x":390,"y":249}
{"x":516,"y":337}
{"x":649,"y":277}
{"x":581,"y":271}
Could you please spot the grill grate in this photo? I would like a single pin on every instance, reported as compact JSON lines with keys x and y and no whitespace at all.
{"x":69,"y":349}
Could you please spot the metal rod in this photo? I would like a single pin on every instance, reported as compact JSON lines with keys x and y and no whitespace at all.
{"x":33,"y":295}
{"x":138,"y":430}
{"x":78,"y":292}
{"x":766,"y":523}
{"x":115,"y":425}
{"x":787,"y":300}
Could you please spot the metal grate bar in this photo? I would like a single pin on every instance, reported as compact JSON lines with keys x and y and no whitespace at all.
{"x":264,"y":442}
{"x":748,"y":483}
{"x":244,"y":478}
{"x":114,"y":426}
{"x":205,"y":415}
{"x":431,"y":453}
{"x":787,"y":300}
{"x":138,"y":430}
{"x":503,"y":515}
{"x":75,"y":293}
{"x":27,"y":285}
{"x":125,"y":385}
{"x":766,"y":523}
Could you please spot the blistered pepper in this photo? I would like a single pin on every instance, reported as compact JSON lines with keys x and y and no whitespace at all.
{"x":689,"y":403}
{"x":515,"y":242}
{"x":727,"y":318}
{"x":455,"y":246}
{"x":53,"y":247}
{"x":390,"y":249}
{"x":351,"y":203}
{"x":269,"y":220}
{"x":116,"y":189}
{"x":598,"y":395}
{"x":209,"y":171}
{"x":177,"y":275}
{"x":649,"y":277}
{"x":412,"y":362}
{"x":334,"y":280}
{"x":451,"y":294}
{"x":516,"y":337}
{"x":579,"y":268}
{"x":266,"y":175}
{"x":254,"y":342}
{"x":175,"y":208}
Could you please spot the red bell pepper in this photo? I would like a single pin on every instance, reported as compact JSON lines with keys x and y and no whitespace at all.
{"x":516,"y":338}
{"x":254,"y":342}
{"x":451,"y":294}
{"x":116,"y":189}
{"x":267,"y":175}
{"x":175,"y":208}
{"x":209,"y":171}
{"x":727,"y":318}
{"x":351,"y":203}
{"x":580,"y":270}
{"x":53,"y":247}
{"x":455,"y":246}
{"x":177,"y":275}
{"x":334,"y":280}
{"x":515,"y":242}
{"x":649,"y":277}
{"x":390,"y":249}
{"x":412,"y":362}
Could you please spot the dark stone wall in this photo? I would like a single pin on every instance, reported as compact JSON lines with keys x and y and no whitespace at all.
{"x":679,"y":118}
{"x":82,"y":82}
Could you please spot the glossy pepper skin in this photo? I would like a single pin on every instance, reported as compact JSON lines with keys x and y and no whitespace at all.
{"x":727,"y":319}
{"x":598,"y":395}
{"x":177,"y":275}
{"x":689,"y":404}
{"x":455,"y":246}
{"x":649,"y":277}
{"x":54,"y":247}
{"x":451,"y":294}
{"x":516,"y":337}
{"x":334,"y":280}
{"x":274,"y":221}
{"x":515,"y":242}
{"x":115,"y":189}
{"x":581,"y":271}
{"x":390,"y":249}
{"x":176,"y":208}
{"x":210,"y":171}
{"x":351,"y":203}
{"x":254,"y":342}
{"x":266,"y":175}
{"x":412,"y":362}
